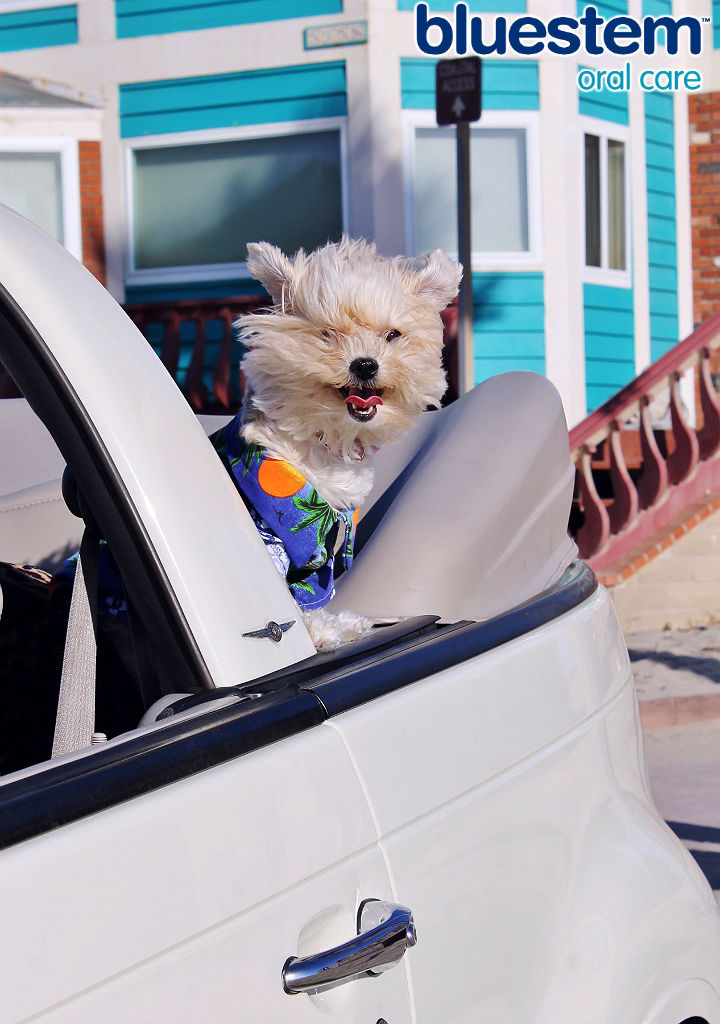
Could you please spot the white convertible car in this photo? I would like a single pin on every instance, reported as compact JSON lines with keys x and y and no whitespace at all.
{"x":446,"y":821}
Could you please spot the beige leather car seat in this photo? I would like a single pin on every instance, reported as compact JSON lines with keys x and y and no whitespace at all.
{"x":35,"y":526}
{"x":468,"y":515}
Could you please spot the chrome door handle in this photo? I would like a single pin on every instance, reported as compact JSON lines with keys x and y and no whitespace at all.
{"x":385,"y":931}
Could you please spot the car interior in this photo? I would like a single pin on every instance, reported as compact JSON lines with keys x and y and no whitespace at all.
{"x":491,"y":532}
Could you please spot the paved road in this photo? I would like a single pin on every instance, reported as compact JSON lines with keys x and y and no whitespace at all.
{"x":675,"y":662}
{"x":684,"y":767}
{"x":682,"y":667}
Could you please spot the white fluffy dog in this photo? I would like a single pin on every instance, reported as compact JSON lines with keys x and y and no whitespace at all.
{"x":345,"y":360}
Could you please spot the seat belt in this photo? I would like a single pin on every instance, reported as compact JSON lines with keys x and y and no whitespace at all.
{"x":75,"y":720}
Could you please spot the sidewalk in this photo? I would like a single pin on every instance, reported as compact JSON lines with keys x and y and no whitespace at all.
{"x":677,"y":674}
{"x":684,"y":770}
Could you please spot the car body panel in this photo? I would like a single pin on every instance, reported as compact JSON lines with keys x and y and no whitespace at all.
{"x":198,"y":893}
{"x":489,"y":776}
{"x":469,"y":709}
{"x":212,"y":554}
{"x":694,"y":998}
{"x":519,"y":817}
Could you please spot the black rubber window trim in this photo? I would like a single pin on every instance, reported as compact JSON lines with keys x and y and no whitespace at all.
{"x":51,"y":395}
{"x":356,"y":681}
{"x":349,"y":687}
{"x":149,"y":759}
{"x":348,"y":677}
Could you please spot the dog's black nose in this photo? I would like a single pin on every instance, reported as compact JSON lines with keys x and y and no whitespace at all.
{"x":364,"y":369}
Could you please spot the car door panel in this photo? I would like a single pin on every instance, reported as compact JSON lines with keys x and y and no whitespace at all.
{"x":518,"y":802}
{"x":222,"y":975}
{"x":200,"y":890}
{"x":481,"y":717}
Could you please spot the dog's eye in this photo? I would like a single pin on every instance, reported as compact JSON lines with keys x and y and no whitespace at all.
{"x":392,"y":335}
{"x":326,"y":335}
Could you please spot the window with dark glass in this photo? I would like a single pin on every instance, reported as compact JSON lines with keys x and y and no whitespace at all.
{"x":616,"y":205}
{"x":200,"y":204}
{"x":605,"y":203}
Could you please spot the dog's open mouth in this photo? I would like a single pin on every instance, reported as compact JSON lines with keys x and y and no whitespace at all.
{"x":362,"y":401}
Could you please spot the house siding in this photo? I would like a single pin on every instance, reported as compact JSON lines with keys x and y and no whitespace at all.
{"x":138,"y":18}
{"x":509,"y":323}
{"x":506,"y":84}
{"x":509,"y":307}
{"x":178,"y":292}
{"x":476,"y":6}
{"x":34,"y":29}
{"x":608,"y":310}
{"x":609,"y":341}
{"x":605,"y":8}
{"x":662,"y":227}
{"x":605,"y":104}
{"x":243,"y":98}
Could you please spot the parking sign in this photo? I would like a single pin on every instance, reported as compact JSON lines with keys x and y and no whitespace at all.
{"x":458,"y":90}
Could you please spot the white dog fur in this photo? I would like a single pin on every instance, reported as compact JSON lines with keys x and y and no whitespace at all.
{"x":333,"y":307}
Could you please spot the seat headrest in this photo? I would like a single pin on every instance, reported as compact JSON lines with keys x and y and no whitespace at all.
{"x":76,"y":502}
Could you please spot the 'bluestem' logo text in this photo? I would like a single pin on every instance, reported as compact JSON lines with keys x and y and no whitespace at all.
{"x":564,"y":35}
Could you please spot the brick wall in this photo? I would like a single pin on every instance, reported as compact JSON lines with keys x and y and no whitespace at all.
{"x":705,"y":190}
{"x":91,"y":209}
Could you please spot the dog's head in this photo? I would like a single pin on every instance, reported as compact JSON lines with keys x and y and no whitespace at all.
{"x":352,"y":347}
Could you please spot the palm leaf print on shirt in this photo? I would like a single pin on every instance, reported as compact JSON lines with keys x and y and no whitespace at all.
{"x":315,"y":511}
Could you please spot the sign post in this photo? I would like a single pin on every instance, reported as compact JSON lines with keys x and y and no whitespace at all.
{"x":458,"y":101}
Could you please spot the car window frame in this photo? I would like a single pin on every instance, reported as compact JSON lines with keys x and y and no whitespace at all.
{"x":50,"y":394}
{"x":55,"y":793}
{"x":269,"y":708}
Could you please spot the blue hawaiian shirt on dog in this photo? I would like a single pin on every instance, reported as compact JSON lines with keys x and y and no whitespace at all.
{"x":298,"y":526}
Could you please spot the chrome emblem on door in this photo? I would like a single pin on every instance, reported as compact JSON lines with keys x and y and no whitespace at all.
{"x":273,"y":631}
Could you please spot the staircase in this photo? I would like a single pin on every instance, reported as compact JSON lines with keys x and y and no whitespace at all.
{"x":641,"y":486}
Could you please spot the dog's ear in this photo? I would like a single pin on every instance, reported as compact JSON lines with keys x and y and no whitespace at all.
{"x":271,"y":267}
{"x":438,"y":279}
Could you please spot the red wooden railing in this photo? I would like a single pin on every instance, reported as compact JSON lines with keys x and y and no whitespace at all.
{"x":162,"y":324}
{"x":225,"y":391}
{"x":661,"y":486}
{"x":225,"y":394}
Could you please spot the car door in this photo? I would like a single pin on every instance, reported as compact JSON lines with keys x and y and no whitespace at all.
{"x":483,"y":836}
{"x":123,"y":899}
{"x":519,"y":825}
{"x":170,"y":873}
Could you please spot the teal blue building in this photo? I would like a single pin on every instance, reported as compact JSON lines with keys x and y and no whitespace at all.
{"x":295,"y":120}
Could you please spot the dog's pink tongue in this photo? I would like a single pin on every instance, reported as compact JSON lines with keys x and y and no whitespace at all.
{"x":355,"y":398}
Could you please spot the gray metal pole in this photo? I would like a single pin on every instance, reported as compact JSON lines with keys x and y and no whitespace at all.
{"x":466,"y":341}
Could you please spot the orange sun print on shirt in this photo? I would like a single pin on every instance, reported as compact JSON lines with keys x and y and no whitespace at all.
{"x":279,"y":479}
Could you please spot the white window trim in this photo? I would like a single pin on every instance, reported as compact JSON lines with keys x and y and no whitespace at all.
{"x":604,"y":275}
{"x":67,"y":148}
{"x":10,"y":6}
{"x":207,"y":272}
{"x":486,"y":261}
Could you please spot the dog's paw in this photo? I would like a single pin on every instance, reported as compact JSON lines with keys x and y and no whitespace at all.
{"x":330,"y":630}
